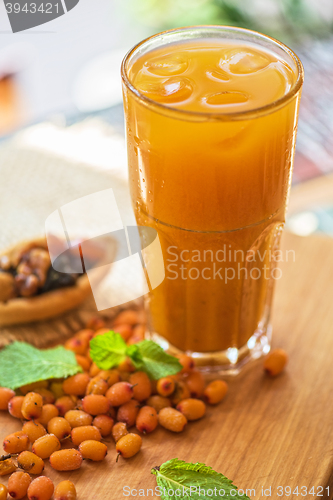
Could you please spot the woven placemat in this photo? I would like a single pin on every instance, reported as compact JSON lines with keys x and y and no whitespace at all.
{"x":34,"y":183}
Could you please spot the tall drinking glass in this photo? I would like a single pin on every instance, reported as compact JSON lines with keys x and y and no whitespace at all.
{"x":211,"y":118}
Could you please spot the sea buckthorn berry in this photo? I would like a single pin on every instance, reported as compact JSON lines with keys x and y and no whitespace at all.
{"x":139,"y":332}
{"x":128,"y":412}
{"x":196,"y":383}
{"x":133,"y":340}
{"x":112,"y":413}
{"x":95,"y":404}
{"x":48,"y":412}
{"x":97,"y":385}
{"x":31,"y":387}
{"x":275,"y":362}
{"x":63,"y":460}
{"x":129,"y":445}
{"x":94,"y":370}
{"x":172,"y":419}
{"x":165,"y":386}
{"x":77,"y":345}
{"x":129,"y":316}
{"x":93,"y":450}
{"x":125,"y":376}
{"x":60,"y":427}
{"x":119,"y":430}
{"x":83,"y":361}
{"x":153,"y":384}
{"x":7,"y":467}
{"x":41,"y":488}
{"x":101,"y":331}
{"x":181,"y":392}
{"x":126,"y":366}
{"x":48,"y":396}
{"x":158,"y":402}
{"x":3,"y":492}
{"x":110,"y":376}
{"x":85,"y":334}
{"x":65,"y":404}
{"x":16,"y":442}
{"x":193,"y":409}
{"x":77,"y":418}
{"x":95,"y":323}
{"x":187,"y":363}
{"x":15,"y":407}
{"x":104,"y":424}
{"x":18,"y":484}
{"x":147,"y":419}
{"x":141,"y":385}
{"x":215,"y":391}
{"x":84,"y":433}
{"x":125,"y":330}
{"x":56,"y":388}
{"x":76,"y":385}
{"x":5,"y":396}
{"x":65,"y":491}
{"x":32,"y":406}
{"x":46,"y":445}
{"x":33,"y":430}
{"x":119,"y":393}
{"x":30,"y":462}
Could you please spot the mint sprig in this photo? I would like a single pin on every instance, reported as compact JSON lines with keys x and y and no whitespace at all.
{"x":109,"y":350}
{"x":195,"y":481}
{"x":21,"y":364}
{"x":149,"y":357}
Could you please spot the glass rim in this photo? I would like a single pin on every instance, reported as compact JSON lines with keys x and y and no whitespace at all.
{"x":245,"y":114}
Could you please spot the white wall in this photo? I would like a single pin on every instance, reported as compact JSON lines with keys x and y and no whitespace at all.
{"x":59,"y":49}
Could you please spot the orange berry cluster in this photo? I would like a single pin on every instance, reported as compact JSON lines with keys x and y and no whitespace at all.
{"x":82,"y":410}
{"x":20,"y":485}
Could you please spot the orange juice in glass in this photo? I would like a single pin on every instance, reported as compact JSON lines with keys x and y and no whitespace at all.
{"x":211,"y":117}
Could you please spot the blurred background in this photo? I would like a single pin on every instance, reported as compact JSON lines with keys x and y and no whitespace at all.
{"x":60,"y":93}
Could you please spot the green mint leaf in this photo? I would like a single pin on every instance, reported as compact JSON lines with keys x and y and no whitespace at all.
{"x":21,"y":364}
{"x":194,"y":481}
{"x":150,"y":358}
{"x":108,"y":350}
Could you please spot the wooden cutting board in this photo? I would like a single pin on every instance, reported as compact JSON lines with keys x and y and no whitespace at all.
{"x":268,"y":432}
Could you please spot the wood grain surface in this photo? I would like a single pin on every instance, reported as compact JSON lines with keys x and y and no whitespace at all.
{"x":267,"y":432}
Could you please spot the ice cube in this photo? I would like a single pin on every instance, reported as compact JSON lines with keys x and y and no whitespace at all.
{"x":217,"y":75}
{"x":168,"y":65}
{"x":226,"y":98}
{"x":243,"y":62}
{"x":167,"y":90}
